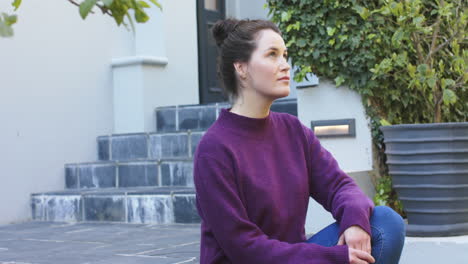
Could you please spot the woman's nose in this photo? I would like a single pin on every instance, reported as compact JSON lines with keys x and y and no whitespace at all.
{"x":285,"y":65}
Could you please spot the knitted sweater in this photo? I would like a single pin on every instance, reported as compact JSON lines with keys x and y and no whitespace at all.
{"x":253,"y":179}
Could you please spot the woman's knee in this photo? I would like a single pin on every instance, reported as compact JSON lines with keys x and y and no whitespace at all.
{"x":388,"y":218}
{"x":388,"y":234}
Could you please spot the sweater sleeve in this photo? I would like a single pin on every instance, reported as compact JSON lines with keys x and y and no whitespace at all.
{"x":242,"y":241}
{"x":337,"y":192}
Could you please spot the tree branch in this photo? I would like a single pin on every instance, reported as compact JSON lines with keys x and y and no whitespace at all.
{"x":418,"y":47}
{"x":445,"y":43}
{"x":459,"y":82}
{"x":103,"y":8}
{"x":434,"y":35}
{"x":78,"y":5}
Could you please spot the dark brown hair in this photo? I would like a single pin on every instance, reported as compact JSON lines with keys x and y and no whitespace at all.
{"x":236,"y":42}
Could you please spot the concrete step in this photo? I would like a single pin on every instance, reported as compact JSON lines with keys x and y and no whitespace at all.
{"x":158,"y":205}
{"x":132,"y":173}
{"x":200,"y":117}
{"x":174,"y":145}
{"x":176,"y":142}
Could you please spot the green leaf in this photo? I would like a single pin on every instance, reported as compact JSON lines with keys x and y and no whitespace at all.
{"x":286,"y":16}
{"x":431,"y":82}
{"x":156,"y":3}
{"x":339,"y":80}
{"x":397,"y":37}
{"x":85,"y":7}
{"x":331,"y":31}
{"x":5,"y":30}
{"x":449,"y":97}
{"x":107,"y":3}
{"x":371,"y":36}
{"x":401,"y":59}
{"x":362,"y":11}
{"x":10,"y":19}
{"x":16,"y":4}
{"x":143,"y":4}
{"x":411,"y":70}
{"x":141,"y":16}
{"x":418,"y":20}
{"x":384,"y":122}
{"x":301,"y":42}
{"x":422,"y":69}
{"x":447,"y":83}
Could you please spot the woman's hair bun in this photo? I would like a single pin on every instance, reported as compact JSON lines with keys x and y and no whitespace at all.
{"x":222,"y":28}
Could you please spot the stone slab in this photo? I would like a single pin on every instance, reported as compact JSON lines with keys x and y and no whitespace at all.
{"x":78,"y":243}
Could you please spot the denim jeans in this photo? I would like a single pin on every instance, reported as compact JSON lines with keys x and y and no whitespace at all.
{"x":387,"y":240}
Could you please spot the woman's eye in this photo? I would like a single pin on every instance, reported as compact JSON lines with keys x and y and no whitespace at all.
{"x":285,"y":56}
{"x":273,"y":53}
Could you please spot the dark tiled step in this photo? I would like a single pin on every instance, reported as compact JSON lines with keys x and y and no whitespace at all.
{"x":177,"y":145}
{"x":162,"y":205}
{"x":136,"y":173}
{"x":201,"y":117}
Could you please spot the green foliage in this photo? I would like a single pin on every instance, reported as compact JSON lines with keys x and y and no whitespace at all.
{"x":118,"y":9}
{"x":5,"y":24}
{"x":386,"y":195}
{"x":406,"y":58}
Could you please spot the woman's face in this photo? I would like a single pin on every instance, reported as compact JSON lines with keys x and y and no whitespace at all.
{"x":267,"y":65}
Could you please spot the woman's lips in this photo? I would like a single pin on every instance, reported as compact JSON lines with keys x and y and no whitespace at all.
{"x":284,"y":79}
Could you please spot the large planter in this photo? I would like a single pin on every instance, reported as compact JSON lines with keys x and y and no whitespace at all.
{"x":428,"y":164}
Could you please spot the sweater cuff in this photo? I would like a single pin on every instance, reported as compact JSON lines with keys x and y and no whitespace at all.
{"x":356,"y":216}
{"x":339,"y":254}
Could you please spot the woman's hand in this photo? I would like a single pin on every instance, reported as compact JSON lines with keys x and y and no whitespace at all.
{"x":359,"y":245}
{"x":357,"y":256}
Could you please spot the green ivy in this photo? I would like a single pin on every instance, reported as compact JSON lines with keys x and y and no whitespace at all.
{"x":386,"y":195}
{"x":407,"y":59}
{"x":117,"y":9}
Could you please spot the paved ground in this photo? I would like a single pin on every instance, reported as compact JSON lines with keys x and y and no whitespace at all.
{"x":112,"y":243}
{"x":99,"y":243}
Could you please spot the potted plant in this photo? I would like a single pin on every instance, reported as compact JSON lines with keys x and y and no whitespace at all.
{"x":408,"y":60}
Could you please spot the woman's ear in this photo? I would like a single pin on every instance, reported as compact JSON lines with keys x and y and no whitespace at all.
{"x":241,"y":69}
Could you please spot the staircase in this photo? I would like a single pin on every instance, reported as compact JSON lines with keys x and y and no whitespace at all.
{"x":139,"y":177}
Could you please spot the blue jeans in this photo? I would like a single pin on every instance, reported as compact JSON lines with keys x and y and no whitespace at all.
{"x":388,"y":235}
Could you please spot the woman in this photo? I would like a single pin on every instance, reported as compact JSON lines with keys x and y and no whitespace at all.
{"x":254,"y":171}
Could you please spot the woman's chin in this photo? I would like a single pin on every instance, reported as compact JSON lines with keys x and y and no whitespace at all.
{"x":285,"y":91}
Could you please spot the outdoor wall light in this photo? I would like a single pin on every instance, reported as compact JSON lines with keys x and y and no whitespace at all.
{"x":334,"y":128}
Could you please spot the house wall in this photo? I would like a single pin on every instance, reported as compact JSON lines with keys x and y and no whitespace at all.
{"x":354,"y":155}
{"x":55,"y":97}
{"x":170,"y":37}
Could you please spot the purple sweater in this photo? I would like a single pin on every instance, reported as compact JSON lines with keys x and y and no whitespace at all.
{"x":253,"y":178}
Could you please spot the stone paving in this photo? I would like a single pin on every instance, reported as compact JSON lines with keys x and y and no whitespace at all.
{"x":99,"y":243}
{"x":118,"y":243}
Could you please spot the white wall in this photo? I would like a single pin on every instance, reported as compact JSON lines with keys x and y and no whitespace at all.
{"x":55,"y":97}
{"x":327,"y":102}
{"x":354,"y":155}
{"x":167,"y":71}
{"x":177,"y":82}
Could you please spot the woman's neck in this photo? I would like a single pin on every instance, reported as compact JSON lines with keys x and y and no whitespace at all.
{"x":251,"y":110}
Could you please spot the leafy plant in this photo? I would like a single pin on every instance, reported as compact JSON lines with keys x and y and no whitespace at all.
{"x":118,"y":9}
{"x":407,"y":59}
{"x":386,"y":195}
